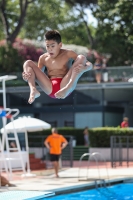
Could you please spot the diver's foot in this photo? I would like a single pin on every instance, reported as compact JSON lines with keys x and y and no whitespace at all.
{"x":63,"y":93}
{"x":33,"y":95}
{"x":86,"y":67}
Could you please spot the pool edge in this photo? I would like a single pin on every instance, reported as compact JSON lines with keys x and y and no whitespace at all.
{"x":76,"y":188}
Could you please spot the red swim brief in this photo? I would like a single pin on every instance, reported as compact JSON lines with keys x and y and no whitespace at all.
{"x":55,"y":86}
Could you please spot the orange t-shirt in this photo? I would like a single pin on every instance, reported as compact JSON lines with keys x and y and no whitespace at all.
{"x":55,"y":141}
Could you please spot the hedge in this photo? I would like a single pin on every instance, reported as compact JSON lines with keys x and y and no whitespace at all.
{"x":99,"y":137}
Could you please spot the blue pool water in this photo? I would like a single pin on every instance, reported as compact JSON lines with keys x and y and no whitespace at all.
{"x":122,"y":191}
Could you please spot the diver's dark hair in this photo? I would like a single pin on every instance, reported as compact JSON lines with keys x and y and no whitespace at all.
{"x":53,"y":35}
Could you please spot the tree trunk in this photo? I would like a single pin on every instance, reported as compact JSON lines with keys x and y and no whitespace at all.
{"x":90,"y":38}
{"x":10,"y":37}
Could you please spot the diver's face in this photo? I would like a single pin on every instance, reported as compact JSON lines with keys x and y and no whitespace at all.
{"x":53,"y":47}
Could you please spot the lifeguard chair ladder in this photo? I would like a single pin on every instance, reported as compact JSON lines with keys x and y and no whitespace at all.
{"x":5,"y":143}
{"x":3,"y":79}
{"x":5,"y":139}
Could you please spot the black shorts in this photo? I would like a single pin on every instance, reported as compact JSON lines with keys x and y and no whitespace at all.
{"x":54,"y":157}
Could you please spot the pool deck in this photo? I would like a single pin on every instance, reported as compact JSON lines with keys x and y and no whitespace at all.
{"x":45,"y":179}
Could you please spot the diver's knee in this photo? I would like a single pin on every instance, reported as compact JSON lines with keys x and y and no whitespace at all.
{"x":28,"y":62}
{"x":82,"y":59}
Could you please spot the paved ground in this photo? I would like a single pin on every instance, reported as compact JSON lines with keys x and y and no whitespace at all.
{"x":46,"y":181}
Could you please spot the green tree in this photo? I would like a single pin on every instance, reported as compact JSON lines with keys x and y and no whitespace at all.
{"x":10,"y":59}
{"x":80,"y":6}
{"x":29,"y":19}
{"x":12,"y":17}
{"x":48,"y":14}
{"x":77,"y":34}
{"x":32,"y":18}
{"x":115,"y":30}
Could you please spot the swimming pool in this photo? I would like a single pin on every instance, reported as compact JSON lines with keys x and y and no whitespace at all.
{"x":123,"y":191}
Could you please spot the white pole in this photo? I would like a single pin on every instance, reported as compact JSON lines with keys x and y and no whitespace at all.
{"x":27,"y":149}
{"x":4,"y":93}
{"x":28,"y":174}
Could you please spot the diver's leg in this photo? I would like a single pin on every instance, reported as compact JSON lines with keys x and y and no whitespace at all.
{"x":36,"y":75}
{"x":69,"y":82}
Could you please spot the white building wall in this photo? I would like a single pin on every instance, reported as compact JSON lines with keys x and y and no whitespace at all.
{"x":90,"y":119}
{"x":59,"y":117}
{"x":113,"y":119}
{"x":129,"y":113}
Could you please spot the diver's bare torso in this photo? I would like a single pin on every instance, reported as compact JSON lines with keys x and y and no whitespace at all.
{"x":58,"y":66}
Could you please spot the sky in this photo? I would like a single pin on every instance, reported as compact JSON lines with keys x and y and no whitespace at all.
{"x":91,"y":19}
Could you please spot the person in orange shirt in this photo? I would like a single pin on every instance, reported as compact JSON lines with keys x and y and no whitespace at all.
{"x":55,"y":143}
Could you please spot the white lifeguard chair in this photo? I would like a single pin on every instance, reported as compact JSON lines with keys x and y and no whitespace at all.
{"x":7,"y":156}
{"x":3,"y":79}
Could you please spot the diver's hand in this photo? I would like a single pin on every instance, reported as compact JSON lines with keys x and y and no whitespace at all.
{"x":26,"y":76}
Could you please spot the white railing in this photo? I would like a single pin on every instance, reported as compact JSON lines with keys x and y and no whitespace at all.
{"x":115,"y":74}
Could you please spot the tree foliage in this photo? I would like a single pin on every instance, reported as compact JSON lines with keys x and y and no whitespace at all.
{"x":48,"y":14}
{"x":80,"y":6}
{"x":13,"y":56}
{"x":115,"y":30}
{"x":82,"y":2}
{"x":12,"y":17}
{"x":31,"y":19}
{"x":77,"y":34}
{"x":10,"y":59}
{"x":44,"y":15}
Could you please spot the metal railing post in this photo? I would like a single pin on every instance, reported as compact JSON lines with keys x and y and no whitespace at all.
{"x":71,"y":151}
{"x":119,"y":144}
